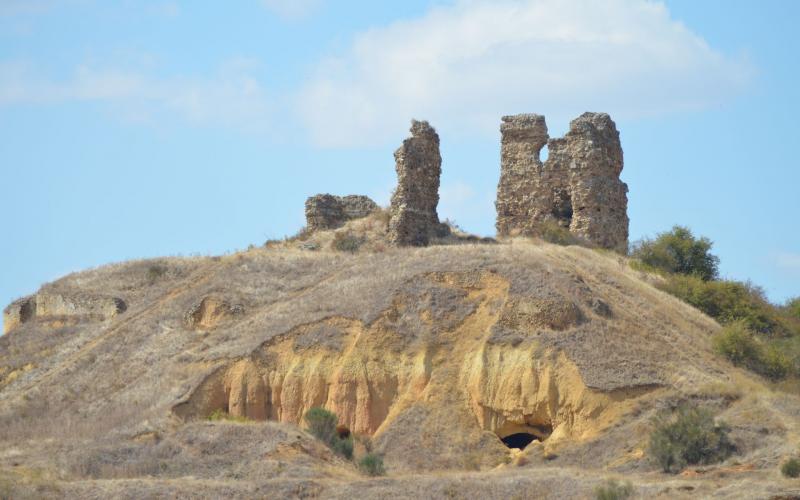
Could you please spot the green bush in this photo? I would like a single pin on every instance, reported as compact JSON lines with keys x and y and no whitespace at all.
{"x":613,"y":490}
{"x":322,"y":425}
{"x":791,"y":468}
{"x":688,"y":436}
{"x":741,"y":346}
{"x":737,"y":343}
{"x":728,"y":301}
{"x":343,"y":446}
{"x":793,"y":308}
{"x":678,"y":251}
{"x":372,"y":465}
{"x":346,"y":242}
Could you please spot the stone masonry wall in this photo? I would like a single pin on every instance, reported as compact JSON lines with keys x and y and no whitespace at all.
{"x":578,"y":187}
{"x":413,"y":217}
{"x":326,"y":211}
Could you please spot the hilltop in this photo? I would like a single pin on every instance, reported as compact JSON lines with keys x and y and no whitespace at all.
{"x":473,"y":367}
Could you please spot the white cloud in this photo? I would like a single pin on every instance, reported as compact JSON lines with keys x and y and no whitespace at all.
{"x":230,"y":97}
{"x":788,"y":261}
{"x":292,"y":9}
{"x":464,"y":65}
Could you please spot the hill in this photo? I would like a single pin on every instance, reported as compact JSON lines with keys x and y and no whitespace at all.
{"x":445,"y":360}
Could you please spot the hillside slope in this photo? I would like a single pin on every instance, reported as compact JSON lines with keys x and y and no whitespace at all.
{"x":108,"y":376}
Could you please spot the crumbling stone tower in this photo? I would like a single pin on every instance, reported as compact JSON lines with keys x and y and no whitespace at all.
{"x":413,"y":217}
{"x":578,"y":187}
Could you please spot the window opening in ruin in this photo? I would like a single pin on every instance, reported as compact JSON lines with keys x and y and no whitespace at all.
{"x":543,"y":154}
{"x":519,"y":440}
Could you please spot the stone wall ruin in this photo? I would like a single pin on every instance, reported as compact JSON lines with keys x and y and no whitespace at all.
{"x":577,"y":187}
{"x":326,"y":211}
{"x":413,"y":217}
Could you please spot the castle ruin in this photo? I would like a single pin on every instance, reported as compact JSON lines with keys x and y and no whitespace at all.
{"x":326,"y":211}
{"x":413,"y":217}
{"x":577,"y":187}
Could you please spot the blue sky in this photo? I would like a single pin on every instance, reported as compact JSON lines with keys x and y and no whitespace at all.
{"x":136,"y":129}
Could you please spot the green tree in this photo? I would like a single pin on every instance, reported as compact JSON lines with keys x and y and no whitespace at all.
{"x":678,"y":251}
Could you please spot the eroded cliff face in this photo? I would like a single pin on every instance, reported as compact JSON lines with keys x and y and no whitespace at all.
{"x":435,"y":349}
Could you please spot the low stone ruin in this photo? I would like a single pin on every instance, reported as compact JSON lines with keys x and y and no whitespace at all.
{"x":413,"y":217}
{"x":57,"y":305}
{"x":211,"y":311}
{"x":577,"y":187}
{"x":326,"y":211}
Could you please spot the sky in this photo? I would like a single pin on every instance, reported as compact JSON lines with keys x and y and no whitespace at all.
{"x":138,"y":128}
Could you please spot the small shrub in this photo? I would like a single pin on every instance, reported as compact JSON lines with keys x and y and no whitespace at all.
{"x":343,"y":446}
{"x":321,"y":424}
{"x":737,"y":343}
{"x":552,"y":232}
{"x":372,"y":465}
{"x":678,"y":251}
{"x":728,"y":301}
{"x":741,"y":346}
{"x":613,"y":490}
{"x":155,"y":272}
{"x":689,"y":436}
{"x":346,"y":242}
{"x":791,"y":468}
{"x":793,"y":308}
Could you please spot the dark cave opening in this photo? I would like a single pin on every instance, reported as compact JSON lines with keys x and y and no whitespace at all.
{"x":519,"y":440}
{"x":342,"y":431}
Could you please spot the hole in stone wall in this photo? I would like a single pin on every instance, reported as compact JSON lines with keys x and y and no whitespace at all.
{"x":519,"y":440}
{"x":543,"y":154}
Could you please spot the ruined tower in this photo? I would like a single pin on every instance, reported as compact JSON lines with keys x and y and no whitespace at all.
{"x":413,"y":218}
{"x":577,"y":187}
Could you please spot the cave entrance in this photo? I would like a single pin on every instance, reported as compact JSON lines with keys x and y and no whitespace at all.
{"x":519,"y":440}
{"x":521,"y":435}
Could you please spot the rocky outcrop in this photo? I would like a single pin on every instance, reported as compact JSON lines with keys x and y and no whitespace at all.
{"x":326,"y":211}
{"x":58,"y":305}
{"x":211,"y":311}
{"x":414,"y":219}
{"x":577,"y":187}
